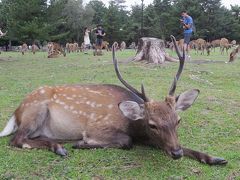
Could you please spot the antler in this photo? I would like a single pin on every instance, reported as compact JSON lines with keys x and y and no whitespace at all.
{"x":132,"y":89}
{"x":181,"y":64}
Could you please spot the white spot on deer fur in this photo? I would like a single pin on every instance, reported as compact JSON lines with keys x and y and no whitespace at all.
{"x":95,"y":92}
{"x":79,"y":96}
{"x":93,"y":104}
{"x":71,"y":107}
{"x":64,"y":95}
{"x":27,"y":146}
{"x":69,"y":98}
{"x":66,"y":107}
{"x":110,"y":106}
{"x":106,"y":117}
{"x":42,"y":91}
{"x":80,"y":112}
{"x":55,"y":96}
{"x":74,"y":95}
{"x":77,"y":102}
{"x":92,"y":115}
{"x":57,"y":101}
{"x":99,"y":105}
{"x":61,"y":102}
{"x":88,"y":102}
{"x":75,"y":112}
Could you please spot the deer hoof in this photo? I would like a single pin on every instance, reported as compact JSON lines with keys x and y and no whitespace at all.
{"x":218,"y":161}
{"x":61,"y":151}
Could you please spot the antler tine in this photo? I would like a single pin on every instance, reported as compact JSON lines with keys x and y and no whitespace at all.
{"x":181,"y":64}
{"x":144,"y":94}
{"x":132,"y":89}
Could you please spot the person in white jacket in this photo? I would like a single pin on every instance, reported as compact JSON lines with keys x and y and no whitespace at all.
{"x":86,"y":39}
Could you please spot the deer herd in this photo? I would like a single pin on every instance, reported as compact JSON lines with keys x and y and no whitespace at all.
{"x":103,"y":116}
{"x":202,"y":46}
{"x":199,"y":45}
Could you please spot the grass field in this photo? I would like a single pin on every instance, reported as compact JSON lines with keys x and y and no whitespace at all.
{"x":211,"y":125}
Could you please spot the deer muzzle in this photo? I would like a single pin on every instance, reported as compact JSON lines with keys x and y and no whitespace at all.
{"x":176,"y":154}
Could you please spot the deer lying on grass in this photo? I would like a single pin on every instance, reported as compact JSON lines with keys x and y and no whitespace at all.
{"x":103,"y":116}
{"x":54,"y":50}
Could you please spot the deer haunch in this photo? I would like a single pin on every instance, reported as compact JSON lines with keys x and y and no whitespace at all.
{"x":200,"y":45}
{"x":224,"y":44}
{"x":24,"y":48}
{"x":34,"y":48}
{"x":215,"y":43}
{"x":100,"y":116}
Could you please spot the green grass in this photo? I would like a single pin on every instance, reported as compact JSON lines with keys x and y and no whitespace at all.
{"x":211,"y":125}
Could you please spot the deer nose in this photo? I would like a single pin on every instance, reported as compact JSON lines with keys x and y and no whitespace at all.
{"x":176,"y":154}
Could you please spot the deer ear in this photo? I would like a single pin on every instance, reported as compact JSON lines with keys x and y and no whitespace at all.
{"x":186,"y":99}
{"x":132,"y":110}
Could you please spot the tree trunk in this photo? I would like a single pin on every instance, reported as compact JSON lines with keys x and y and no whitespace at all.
{"x":153,"y":51}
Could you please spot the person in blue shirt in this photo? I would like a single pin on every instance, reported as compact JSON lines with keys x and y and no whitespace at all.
{"x":187,"y":24}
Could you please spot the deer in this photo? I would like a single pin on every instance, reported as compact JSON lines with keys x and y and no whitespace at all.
{"x":54,"y":50}
{"x":122,"y":46}
{"x":234,"y":54}
{"x":103,"y":116}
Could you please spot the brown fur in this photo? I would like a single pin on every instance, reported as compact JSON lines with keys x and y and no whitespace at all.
{"x":200,"y":45}
{"x":215,"y":43}
{"x":234,"y":53}
{"x":224,"y":44}
{"x":24,"y":48}
{"x":54,"y":50}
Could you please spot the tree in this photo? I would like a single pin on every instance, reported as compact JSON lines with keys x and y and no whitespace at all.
{"x":77,"y":17}
{"x":99,"y":11}
{"x":26,"y":20}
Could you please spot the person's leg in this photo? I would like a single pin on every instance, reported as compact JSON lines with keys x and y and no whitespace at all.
{"x":187,"y":37}
{"x":100,"y":44}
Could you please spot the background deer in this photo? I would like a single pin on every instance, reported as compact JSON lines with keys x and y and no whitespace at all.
{"x":54,"y":50}
{"x":103,"y":116}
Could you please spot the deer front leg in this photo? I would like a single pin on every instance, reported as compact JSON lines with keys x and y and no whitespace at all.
{"x":204,"y":158}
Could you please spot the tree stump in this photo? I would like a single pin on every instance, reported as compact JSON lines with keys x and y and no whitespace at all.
{"x":153,"y":51}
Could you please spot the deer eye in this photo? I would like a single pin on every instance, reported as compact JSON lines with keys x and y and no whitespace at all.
{"x":152,"y":126}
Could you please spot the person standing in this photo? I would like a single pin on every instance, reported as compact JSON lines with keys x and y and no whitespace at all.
{"x":1,"y":33}
{"x":87,"y":43}
{"x":187,"y":24}
{"x":100,"y":33}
